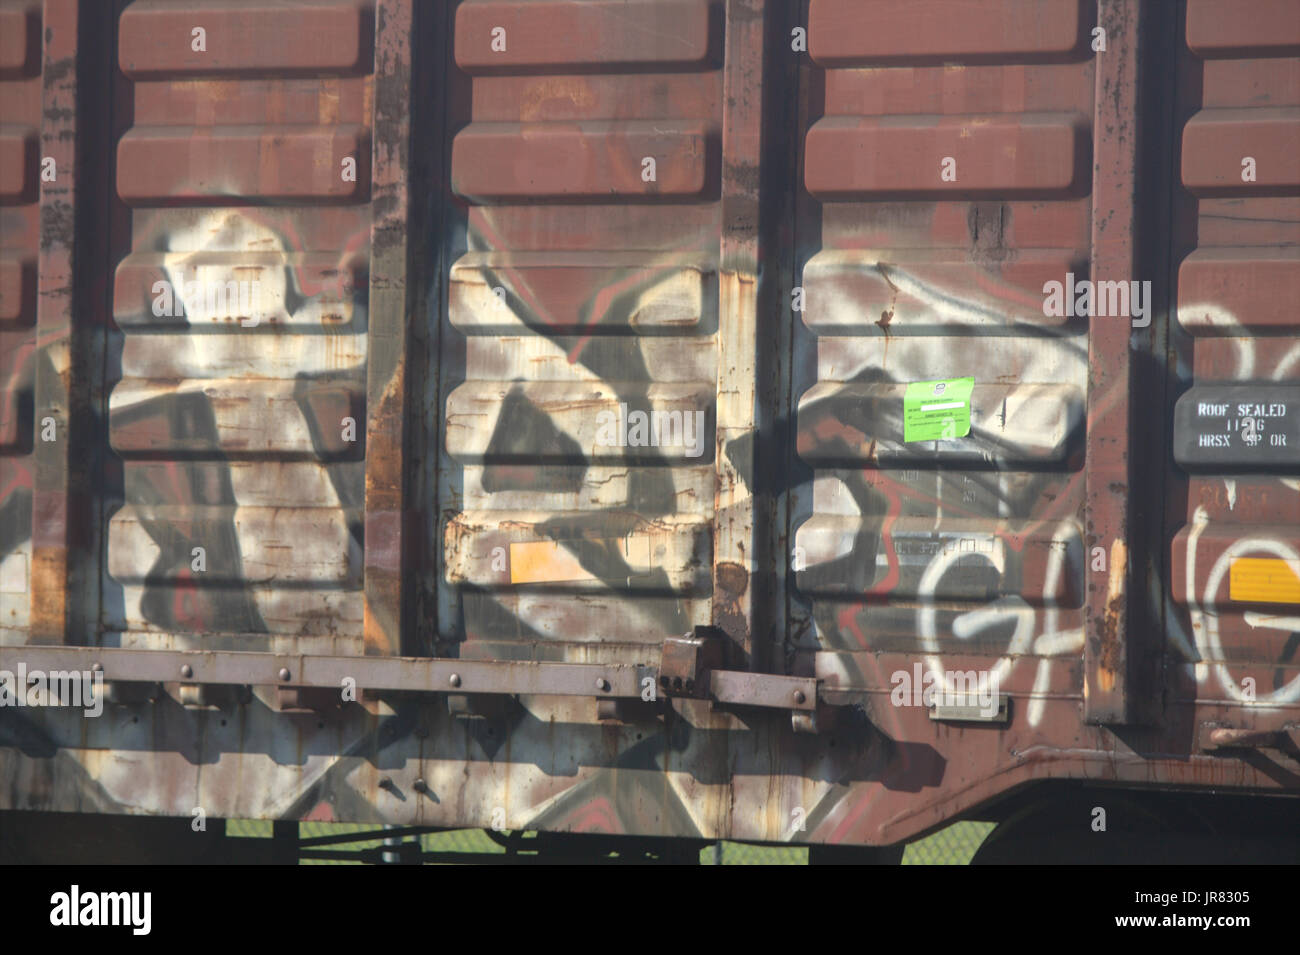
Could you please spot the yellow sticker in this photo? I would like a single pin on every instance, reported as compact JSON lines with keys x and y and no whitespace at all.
{"x":1269,"y":580}
{"x":552,"y":562}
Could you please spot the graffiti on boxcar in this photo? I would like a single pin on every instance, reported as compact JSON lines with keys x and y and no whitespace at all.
{"x":1217,"y":633}
{"x":1027,"y":638}
{"x":550,"y":349}
{"x":1205,"y":618}
{"x":908,"y":522}
{"x":16,"y":495}
{"x":241,"y":429}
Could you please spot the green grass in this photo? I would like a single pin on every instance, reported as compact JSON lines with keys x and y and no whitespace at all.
{"x":954,"y":845}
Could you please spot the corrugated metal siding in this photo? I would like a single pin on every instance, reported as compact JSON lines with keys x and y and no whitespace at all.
{"x":583,"y":283}
{"x":966,"y":546}
{"x":43,"y":412}
{"x":231,"y":419}
{"x":1235,"y":549}
{"x":20,"y":107}
{"x":574,"y":284}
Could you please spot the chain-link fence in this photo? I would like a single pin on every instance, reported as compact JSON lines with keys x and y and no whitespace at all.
{"x":954,"y":845}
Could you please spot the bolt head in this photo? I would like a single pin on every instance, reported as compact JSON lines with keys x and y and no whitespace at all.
{"x":97,"y":668}
{"x":284,"y":674}
{"x":454,"y":679}
{"x":799,"y":696}
{"x":602,"y":684}
{"x":187,"y":671}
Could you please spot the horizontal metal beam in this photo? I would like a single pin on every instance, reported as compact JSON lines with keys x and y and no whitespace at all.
{"x":404,"y":674}
{"x":410,"y":674}
{"x":741,"y":688}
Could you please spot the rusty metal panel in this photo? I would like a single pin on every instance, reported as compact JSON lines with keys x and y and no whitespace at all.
{"x":563,"y":37}
{"x":315,"y":38}
{"x":893,"y":157}
{"x":619,"y":208}
{"x":1114,"y":651}
{"x":53,"y":508}
{"x":20,"y":359}
{"x":246,"y":379}
{"x":1214,"y":141}
{"x":590,"y":162}
{"x":1218,"y":28}
{"x":849,"y":33}
{"x":976,"y":543}
{"x":1234,"y":510}
{"x":958,"y":159}
{"x":45,"y":265}
{"x":583,"y":294}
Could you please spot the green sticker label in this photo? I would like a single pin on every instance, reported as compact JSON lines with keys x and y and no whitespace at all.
{"x":935,"y":410}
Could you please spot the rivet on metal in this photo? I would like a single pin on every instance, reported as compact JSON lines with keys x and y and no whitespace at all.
{"x":187,"y":671}
{"x":799,"y":696}
{"x":602,"y":684}
{"x":454,"y":679}
{"x":284,"y":673}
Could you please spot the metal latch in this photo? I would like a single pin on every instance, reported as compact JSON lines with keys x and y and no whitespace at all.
{"x":685,"y":663}
{"x":690,"y":667}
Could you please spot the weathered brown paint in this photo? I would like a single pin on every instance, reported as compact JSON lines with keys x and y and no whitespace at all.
{"x":1231,"y":529}
{"x":1108,"y":689}
{"x":848,"y":32}
{"x":1217,"y":28}
{"x":391,"y":304}
{"x":900,"y":156}
{"x":53,"y":391}
{"x":827,"y":552}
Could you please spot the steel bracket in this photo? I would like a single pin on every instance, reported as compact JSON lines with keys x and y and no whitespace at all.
{"x":1215,"y":737}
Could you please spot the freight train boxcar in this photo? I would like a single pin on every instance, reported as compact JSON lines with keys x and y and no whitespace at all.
{"x":677,"y":419}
